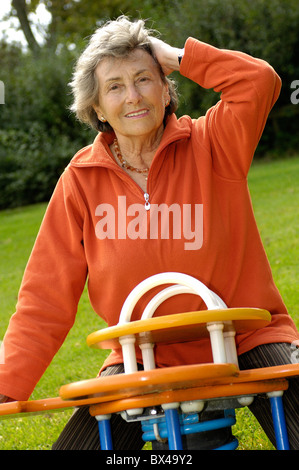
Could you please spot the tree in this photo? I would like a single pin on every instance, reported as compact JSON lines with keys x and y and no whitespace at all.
{"x":71,"y":20}
{"x":22,"y":14}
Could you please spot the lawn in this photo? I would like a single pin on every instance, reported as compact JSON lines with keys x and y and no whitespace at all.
{"x":275,"y":194}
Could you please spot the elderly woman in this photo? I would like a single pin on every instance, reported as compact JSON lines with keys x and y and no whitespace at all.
{"x":153,"y":193}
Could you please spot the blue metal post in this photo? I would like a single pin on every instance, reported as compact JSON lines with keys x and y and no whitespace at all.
{"x":105,"y":433}
{"x":280,"y":428}
{"x":173,"y":429}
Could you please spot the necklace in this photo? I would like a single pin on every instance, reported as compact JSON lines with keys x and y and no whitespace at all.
{"x":126,"y":165}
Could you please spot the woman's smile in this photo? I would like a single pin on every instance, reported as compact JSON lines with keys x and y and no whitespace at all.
{"x":137,"y":114}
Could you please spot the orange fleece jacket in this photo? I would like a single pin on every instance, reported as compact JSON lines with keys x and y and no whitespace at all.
{"x":97,"y":210}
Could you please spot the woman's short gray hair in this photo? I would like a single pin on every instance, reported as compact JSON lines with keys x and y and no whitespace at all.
{"x":117,"y":38}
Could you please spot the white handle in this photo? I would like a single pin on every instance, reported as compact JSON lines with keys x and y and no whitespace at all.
{"x":211,"y":299}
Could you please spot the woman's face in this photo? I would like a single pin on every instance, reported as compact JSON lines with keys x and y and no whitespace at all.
{"x":132,"y":95}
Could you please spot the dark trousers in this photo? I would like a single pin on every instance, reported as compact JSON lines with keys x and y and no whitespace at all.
{"x":81,"y":431}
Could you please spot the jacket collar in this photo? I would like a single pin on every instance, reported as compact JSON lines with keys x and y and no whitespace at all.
{"x":98,"y":153}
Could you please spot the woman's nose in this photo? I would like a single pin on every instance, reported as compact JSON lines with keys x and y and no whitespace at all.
{"x":133,"y":95}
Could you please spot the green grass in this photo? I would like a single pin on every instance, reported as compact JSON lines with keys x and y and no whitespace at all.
{"x":275,"y":194}
{"x":74,"y":361}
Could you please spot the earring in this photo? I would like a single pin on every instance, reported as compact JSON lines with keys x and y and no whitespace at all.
{"x":167,"y":103}
{"x":102,"y":119}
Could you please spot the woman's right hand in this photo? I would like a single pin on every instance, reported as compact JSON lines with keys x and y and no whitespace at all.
{"x":4,"y":398}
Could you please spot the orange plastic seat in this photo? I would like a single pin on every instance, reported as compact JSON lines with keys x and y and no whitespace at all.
{"x":198,"y":382}
{"x":156,"y":380}
{"x":180,"y":327}
{"x":207,"y":392}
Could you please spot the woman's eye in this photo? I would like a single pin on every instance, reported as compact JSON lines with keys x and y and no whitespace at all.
{"x":114,"y":87}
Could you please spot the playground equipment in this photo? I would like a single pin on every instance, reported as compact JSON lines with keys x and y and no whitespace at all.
{"x":169,"y":401}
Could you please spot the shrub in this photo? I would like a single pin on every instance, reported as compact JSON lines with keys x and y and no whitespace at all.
{"x":30,"y":164}
{"x":38,"y":135}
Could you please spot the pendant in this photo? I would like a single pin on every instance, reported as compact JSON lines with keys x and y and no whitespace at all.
{"x":147,"y":203}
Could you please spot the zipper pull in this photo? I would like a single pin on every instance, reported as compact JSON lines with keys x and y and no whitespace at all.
{"x":147,"y":203}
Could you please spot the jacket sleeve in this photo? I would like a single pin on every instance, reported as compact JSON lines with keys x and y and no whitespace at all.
{"x":249,"y":88}
{"x":48,"y":298}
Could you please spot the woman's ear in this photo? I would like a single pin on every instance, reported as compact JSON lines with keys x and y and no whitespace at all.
{"x":99,"y":114}
{"x":166,"y":96}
